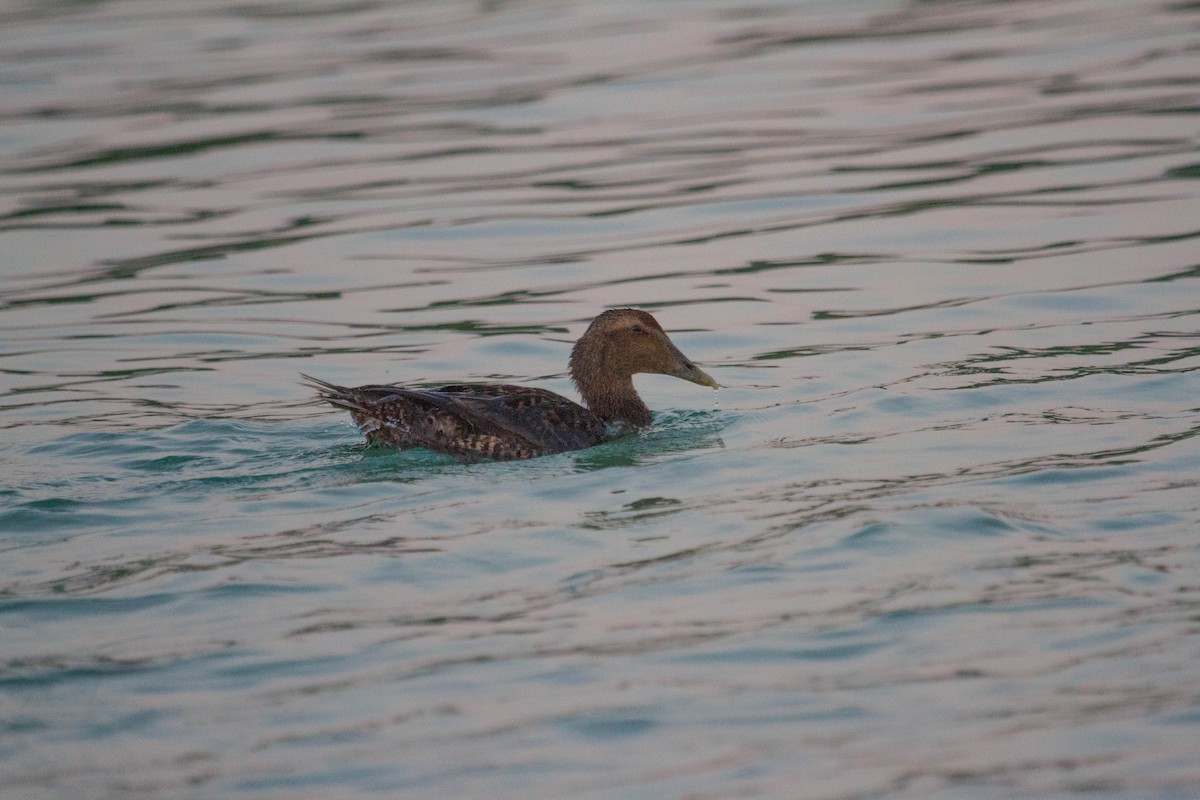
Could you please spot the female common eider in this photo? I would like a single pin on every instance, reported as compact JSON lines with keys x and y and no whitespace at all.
{"x":505,"y":422}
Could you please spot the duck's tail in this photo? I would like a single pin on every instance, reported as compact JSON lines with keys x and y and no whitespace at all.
{"x":340,"y":396}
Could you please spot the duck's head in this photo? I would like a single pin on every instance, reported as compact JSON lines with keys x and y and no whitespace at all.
{"x":623,"y":342}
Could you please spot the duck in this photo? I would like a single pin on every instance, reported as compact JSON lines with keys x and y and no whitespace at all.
{"x":504,"y":422}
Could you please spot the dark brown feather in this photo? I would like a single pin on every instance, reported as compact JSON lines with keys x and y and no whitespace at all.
{"x":470,"y":422}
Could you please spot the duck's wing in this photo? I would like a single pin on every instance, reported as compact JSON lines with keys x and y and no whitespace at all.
{"x":547,"y":421}
{"x":501,"y":422}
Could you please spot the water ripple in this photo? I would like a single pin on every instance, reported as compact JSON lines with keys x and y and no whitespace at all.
{"x":939,"y":255}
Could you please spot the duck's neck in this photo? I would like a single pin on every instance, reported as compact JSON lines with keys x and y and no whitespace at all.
{"x":605,"y":383}
{"x":615,"y":401}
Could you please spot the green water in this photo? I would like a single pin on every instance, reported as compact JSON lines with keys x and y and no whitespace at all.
{"x":935,"y":538}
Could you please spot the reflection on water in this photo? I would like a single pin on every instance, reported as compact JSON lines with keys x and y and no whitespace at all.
{"x":935,"y":540}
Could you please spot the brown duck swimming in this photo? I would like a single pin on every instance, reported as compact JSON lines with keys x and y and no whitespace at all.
{"x":504,"y":422}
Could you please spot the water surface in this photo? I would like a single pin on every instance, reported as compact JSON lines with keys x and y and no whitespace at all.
{"x":936,"y":538}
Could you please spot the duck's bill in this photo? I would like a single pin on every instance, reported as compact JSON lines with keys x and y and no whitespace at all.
{"x":684,"y":368}
{"x":701,"y":377}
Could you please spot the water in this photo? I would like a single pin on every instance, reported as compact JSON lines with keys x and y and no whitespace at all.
{"x":936,"y":540}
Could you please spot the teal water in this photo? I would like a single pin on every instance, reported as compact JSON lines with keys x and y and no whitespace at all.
{"x":936,"y":537}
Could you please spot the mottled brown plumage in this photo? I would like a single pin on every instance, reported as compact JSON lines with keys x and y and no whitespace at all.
{"x":505,"y":422}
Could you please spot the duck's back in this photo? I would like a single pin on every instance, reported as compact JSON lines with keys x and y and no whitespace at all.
{"x":470,"y":421}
